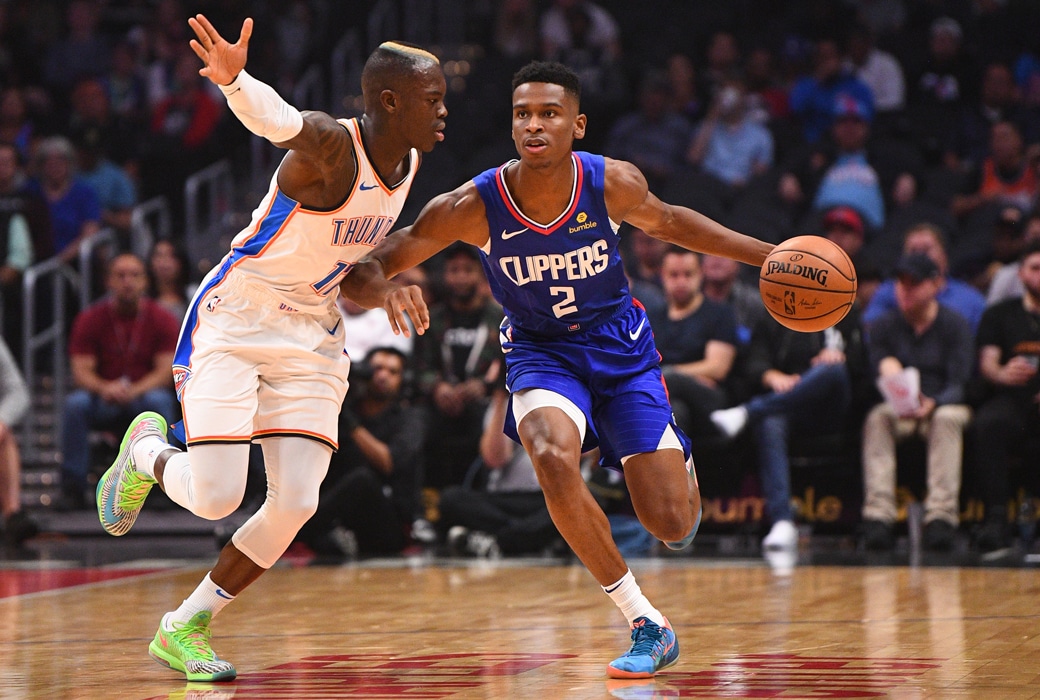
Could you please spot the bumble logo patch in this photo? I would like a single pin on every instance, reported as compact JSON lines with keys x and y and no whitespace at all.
{"x":583,"y":223}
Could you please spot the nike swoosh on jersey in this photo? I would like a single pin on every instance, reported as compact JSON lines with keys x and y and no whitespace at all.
{"x":639,"y":329}
{"x":507,"y":236}
{"x":363,"y":187}
{"x":332,"y":331}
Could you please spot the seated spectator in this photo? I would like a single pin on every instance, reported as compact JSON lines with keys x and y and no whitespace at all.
{"x":851,"y":179}
{"x":16,"y":242}
{"x":458,"y":360}
{"x":684,"y":96}
{"x":722,"y":283}
{"x":721,"y":63}
{"x":116,"y":192}
{"x":168,"y":270}
{"x":75,"y":211}
{"x":843,"y":174}
{"x":878,"y":69}
{"x":1006,"y":282}
{"x":1008,"y":345}
{"x":813,"y":97}
{"x":584,"y":36}
{"x":81,"y":51}
{"x":653,"y":137}
{"x":508,"y":516}
{"x":953,"y":294}
{"x":16,"y":127}
{"x":920,"y":333}
{"x":1008,"y":176}
{"x":18,"y":525}
{"x":844,"y":226}
{"x":697,"y":339}
{"x":980,"y":256}
{"x":998,"y":101}
{"x":120,"y":353}
{"x":372,"y":488}
{"x":599,"y":30}
{"x":728,"y":145}
{"x":644,"y":257}
{"x":803,"y":385}
{"x":182,"y":131}
{"x":515,"y":32}
{"x":767,"y":101}
{"x":939,"y":85}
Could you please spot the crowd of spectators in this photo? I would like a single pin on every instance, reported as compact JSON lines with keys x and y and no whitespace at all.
{"x":905,"y":130}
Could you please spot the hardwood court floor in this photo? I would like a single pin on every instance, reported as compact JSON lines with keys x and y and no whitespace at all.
{"x":533,"y":629}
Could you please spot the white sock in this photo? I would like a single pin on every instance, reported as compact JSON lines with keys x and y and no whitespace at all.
{"x":208,"y":596}
{"x":145,"y":452}
{"x":630,"y":600}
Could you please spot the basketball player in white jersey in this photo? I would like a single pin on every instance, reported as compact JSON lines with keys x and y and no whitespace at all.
{"x":260,"y":355}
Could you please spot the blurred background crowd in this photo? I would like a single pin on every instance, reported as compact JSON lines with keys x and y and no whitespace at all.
{"x":907,"y":131}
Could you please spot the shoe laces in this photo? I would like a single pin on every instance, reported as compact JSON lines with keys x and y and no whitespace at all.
{"x":645,"y":637}
{"x":194,"y":638}
{"x":134,"y":488}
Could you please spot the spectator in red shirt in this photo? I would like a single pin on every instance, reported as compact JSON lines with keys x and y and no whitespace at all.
{"x":120,"y":351}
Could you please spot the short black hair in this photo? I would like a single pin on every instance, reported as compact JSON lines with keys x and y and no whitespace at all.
{"x":387,"y":350}
{"x":549,"y":72}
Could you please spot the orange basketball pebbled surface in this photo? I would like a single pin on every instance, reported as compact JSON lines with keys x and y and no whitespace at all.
{"x":808,"y":283}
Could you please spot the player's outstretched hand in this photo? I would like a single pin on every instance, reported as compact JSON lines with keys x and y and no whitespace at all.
{"x":223,"y":61}
{"x":407,"y":301}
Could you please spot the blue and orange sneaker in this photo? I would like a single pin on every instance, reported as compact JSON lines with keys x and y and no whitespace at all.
{"x":653,"y":648}
{"x":122,"y":490}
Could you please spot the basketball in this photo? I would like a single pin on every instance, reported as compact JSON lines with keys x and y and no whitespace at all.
{"x":807,"y":283}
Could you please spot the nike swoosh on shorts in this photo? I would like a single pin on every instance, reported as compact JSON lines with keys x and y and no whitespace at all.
{"x":639,"y":329}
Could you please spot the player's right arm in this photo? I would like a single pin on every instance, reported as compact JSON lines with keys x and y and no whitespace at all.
{"x":322,"y":148}
{"x":458,"y":215}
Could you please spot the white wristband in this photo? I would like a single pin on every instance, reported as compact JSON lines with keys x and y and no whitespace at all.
{"x":261,"y":109}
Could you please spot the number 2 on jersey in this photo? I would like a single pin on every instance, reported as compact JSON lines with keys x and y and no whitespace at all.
{"x":564,"y":306}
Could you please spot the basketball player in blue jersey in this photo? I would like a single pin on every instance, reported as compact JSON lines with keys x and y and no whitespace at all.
{"x":581,"y":366}
{"x":261,"y":355}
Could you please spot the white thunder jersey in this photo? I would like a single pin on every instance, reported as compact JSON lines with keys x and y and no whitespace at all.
{"x":300,"y":255}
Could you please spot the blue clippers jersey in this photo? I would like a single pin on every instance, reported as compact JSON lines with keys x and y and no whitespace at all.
{"x":558,"y":278}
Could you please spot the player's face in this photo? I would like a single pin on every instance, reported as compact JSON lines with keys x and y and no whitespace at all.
{"x":680,"y":278}
{"x":422,"y":109}
{"x":545,"y":122}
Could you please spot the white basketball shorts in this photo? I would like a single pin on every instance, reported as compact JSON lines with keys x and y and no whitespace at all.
{"x":248,"y":366}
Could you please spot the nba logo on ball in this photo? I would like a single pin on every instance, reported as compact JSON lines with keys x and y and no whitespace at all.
{"x":807,"y":283}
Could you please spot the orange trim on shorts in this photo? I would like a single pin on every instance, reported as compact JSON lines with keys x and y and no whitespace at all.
{"x":318,"y":437}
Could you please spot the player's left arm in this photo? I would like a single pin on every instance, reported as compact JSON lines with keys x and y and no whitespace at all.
{"x":629,"y":199}
{"x":449,"y":217}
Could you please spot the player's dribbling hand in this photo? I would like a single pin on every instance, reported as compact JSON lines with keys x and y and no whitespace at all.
{"x":407,"y":302}
{"x":223,"y":61}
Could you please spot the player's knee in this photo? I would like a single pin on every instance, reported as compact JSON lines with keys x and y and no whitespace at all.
{"x":292,"y":513}
{"x":214,"y":499}
{"x":216,"y":506}
{"x":671,"y":521}
{"x":553,"y":465}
